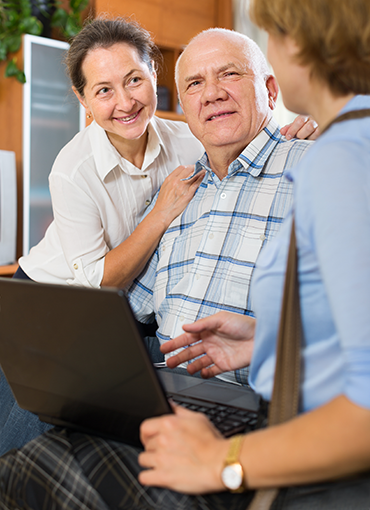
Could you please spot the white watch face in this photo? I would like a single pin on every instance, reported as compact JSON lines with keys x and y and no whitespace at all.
{"x":232,"y":476}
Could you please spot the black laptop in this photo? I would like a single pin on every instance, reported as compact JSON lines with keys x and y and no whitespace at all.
{"x":74,"y":356}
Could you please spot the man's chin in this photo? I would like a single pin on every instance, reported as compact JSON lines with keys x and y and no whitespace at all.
{"x":223,"y":137}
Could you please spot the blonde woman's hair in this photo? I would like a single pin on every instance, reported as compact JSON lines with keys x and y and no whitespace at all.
{"x":333,"y":37}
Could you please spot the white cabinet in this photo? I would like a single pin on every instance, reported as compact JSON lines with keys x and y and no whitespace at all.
{"x":52,"y":115}
{"x":8,"y":207}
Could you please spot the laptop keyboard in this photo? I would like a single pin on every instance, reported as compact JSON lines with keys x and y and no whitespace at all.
{"x":227,"y":419}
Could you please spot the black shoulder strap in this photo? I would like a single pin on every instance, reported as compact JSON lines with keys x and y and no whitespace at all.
{"x":354,"y":114}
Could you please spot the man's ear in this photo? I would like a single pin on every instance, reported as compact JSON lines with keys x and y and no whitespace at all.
{"x":180,"y":103}
{"x":273,"y":91}
{"x":154,"y":72}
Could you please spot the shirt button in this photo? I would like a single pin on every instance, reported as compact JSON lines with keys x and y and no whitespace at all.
{"x":211,"y":236}
{"x":223,"y":195}
{"x":262,"y":237}
{"x":147,"y":202}
{"x":164,"y":248}
{"x":197,"y":276}
{"x":181,"y":318}
{"x":75,"y":266}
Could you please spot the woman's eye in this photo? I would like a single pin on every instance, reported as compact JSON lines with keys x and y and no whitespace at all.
{"x":104,"y":90}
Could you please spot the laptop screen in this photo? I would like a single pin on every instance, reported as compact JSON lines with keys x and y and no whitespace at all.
{"x":74,"y":356}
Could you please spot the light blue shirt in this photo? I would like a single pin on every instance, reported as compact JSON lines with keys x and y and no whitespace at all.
{"x":332,"y":215}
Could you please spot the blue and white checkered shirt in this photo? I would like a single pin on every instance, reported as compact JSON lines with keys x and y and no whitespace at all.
{"x":204,"y":261}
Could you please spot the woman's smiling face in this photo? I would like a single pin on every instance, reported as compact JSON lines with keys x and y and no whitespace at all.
{"x":120,"y":91}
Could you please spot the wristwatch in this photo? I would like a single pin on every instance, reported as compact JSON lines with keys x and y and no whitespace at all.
{"x":232,"y":474}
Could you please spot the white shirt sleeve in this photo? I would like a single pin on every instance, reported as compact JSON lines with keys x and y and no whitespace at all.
{"x":80,"y":231}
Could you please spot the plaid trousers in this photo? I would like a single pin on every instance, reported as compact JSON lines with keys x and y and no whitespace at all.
{"x":63,"y":470}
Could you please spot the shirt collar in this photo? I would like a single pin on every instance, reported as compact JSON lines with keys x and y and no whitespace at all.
{"x":256,"y":153}
{"x":107,"y":158}
{"x":356,"y":103}
{"x":155,"y":144}
{"x":254,"y":156}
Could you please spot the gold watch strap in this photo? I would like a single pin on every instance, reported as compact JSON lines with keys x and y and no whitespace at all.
{"x":234,"y":449}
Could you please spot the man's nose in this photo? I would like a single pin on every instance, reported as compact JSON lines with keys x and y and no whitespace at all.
{"x":213,"y":91}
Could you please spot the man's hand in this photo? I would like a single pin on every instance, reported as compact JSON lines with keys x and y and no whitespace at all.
{"x":302,"y":127}
{"x":217,"y":344}
{"x":183,"y":452}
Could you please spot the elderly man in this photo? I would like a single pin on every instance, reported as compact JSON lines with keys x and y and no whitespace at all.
{"x":205,"y":260}
{"x":203,"y":264}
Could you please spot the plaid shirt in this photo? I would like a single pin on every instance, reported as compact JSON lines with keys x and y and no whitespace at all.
{"x":205,"y":260}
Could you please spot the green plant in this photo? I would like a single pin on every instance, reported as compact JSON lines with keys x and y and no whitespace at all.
{"x":69,"y":22}
{"x":17,"y":18}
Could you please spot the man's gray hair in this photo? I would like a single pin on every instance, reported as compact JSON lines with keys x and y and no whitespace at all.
{"x":253,"y":52}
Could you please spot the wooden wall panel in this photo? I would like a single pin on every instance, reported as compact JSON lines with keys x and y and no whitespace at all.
{"x":180,"y":21}
{"x":171,"y":22}
{"x":147,"y":13}
{"x":11,"y":100}
{"x":224,"y":14}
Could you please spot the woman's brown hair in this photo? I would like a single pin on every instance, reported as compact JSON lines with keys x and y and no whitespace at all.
{"x":333,"y":37}
{"x":104,"y":33}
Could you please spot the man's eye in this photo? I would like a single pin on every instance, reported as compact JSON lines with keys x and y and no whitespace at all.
{"x":193,"y":84}
{"x":134,"y":80}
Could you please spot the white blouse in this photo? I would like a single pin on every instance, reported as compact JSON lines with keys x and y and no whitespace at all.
{"x":99,"y":198}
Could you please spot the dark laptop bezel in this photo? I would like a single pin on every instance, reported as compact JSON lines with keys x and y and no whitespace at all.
{"x":49,"y":310}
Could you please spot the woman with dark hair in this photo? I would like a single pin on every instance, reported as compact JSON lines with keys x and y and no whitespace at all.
{"x":103,"y":181}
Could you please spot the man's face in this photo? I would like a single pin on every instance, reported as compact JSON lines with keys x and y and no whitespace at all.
{"x":225,"y":99}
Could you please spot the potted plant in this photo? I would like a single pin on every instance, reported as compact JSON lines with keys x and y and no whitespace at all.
{"x":18,"y":17}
